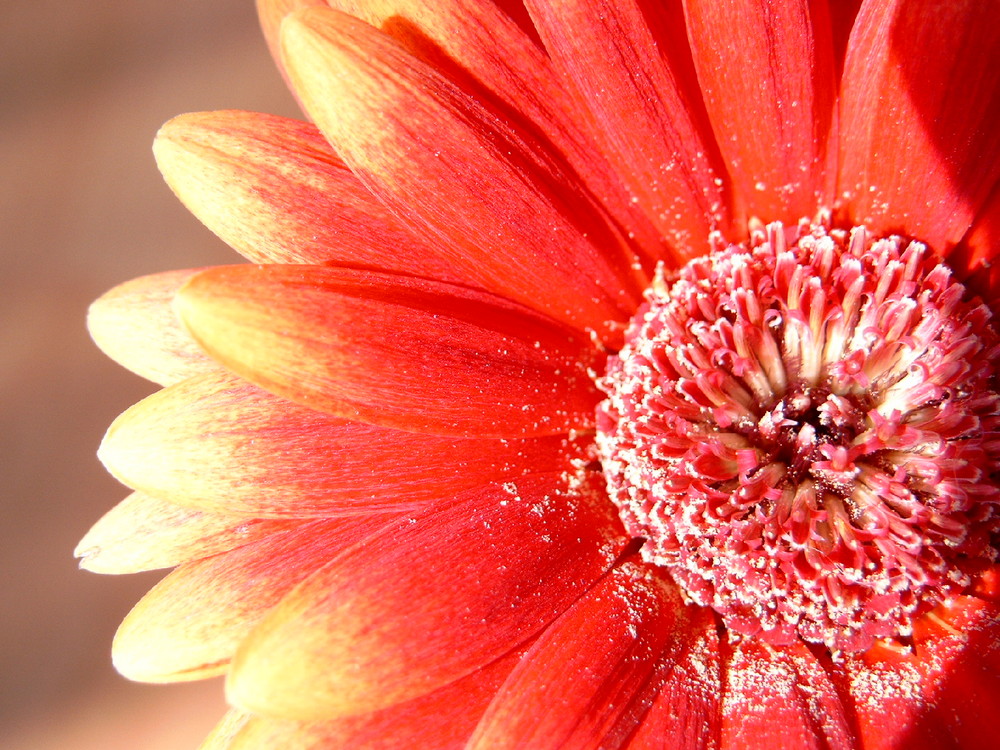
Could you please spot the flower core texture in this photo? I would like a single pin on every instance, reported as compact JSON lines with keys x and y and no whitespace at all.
{"x":803,"y":431}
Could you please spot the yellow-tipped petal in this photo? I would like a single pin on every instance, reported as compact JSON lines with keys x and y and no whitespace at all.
{"x":188,"y":625}
{"x":146,"y":533}
{"x":136,"y":326}
{"x":221,"y":445}
{"x":394,"y":350}
{"x":273,"y":189}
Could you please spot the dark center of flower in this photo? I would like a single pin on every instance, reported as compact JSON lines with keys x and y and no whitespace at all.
{"x":804,"y":431}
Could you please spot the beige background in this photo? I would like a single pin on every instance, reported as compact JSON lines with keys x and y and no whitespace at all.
{"x":83,"y":88}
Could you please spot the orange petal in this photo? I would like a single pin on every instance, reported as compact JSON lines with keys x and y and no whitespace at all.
{"x":392,"y":350}
{"x":136,"y":326}
{"x":441,"y":720}
{"x":920,"y":148}
{"x":433,"y":598}
{"x":188,"y":625}
{"x":766,"y":70}
{"x":145,"y":533}
{"x":274,"y":190}
{"x":493,"y":201}
{"x":479,"y":39}
{"x":685,"y":714}
{"x":589,"y":677}
{"x":492,"y":53}
{"x":271,"y":14}
{"x":780,"y":698}
{"x":224,"y":735}
{"x":630,"y":70}
{"x":223,"y":445}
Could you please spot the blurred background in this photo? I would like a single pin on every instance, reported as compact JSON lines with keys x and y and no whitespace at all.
{"x":83,"y":88}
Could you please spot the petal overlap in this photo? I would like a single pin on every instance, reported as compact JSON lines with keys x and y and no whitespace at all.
{"x":189,"y":625}
{"x":490,"y":197}
{"x":685,"y":714}
{"x":273,"y":189}
{"x":136,"y":326}
{"x":424,"y":603}
{"x":442,"y":719}
{"x":493,"y":54}
{"x":146,"y":533}
{"x":774,"y":697}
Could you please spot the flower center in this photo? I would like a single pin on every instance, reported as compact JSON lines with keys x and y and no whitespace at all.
{"x":805,"y":432}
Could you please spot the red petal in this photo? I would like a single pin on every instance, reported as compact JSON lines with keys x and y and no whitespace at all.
{"x":432,"y":599}
{"x":920,"y":149}
{"x":780,"y":698}
{"x":942,"y":693}
{"x":188,"y":626}
{"x":843,"y":14}
{"x":958,"y":648}
{"x":888,"y":696}
{"x":223,"y":445}
{"x":135,"y":325}
{"x":392,"y":350}
{"x":490,"y":198}
{"x":767,"y":73}
{"x":589,"y":677}
{"x":686,"y":713}
{"x":442,"y":720}
{"x":973,"y":260}
{"x":144,"y":533}
{"x":638,"y":86}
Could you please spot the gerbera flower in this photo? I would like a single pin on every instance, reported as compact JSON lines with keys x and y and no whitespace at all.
{"x":608,"y":374}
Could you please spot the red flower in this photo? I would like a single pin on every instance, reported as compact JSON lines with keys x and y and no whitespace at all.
{"x":613,"y":375}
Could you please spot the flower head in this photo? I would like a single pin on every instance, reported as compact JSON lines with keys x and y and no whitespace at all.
{"x":803,"y":434}
{"x":609,"y":374}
